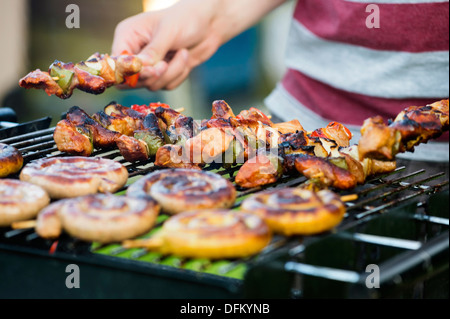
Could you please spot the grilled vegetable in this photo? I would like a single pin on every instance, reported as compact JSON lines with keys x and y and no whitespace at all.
{"x":152,"y":140}
{"x":64,"y":77}
{"x":94,"y":75}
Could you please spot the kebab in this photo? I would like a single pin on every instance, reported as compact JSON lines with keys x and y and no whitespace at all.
{"x":140,"y":135}
{"x":413,"y":126}
{"x":78,"y":134}
{"x":323,"y":156}
{"x":94,"y":75}
{"x":229,"y":139}
{"x":333,"y":162}
{"x":135,"y":135}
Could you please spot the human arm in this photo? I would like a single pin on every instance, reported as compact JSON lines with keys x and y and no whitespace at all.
{"x":173,"y":41}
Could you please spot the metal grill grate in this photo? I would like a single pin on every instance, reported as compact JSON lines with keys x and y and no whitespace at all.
{"x":377,"y":196}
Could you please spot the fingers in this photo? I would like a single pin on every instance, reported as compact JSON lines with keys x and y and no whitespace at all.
{"x":127,"y":36}
{"x":159,"y":45}
{"x":176,"y":72}
{"x":150,"y":74}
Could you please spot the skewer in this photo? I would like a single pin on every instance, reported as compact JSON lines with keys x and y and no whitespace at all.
{"x":55,"y":78}
{"x":24,"y":224}
{"x":148,"y":243}
{"x":349,"y":198}
{"x":179,"y":110}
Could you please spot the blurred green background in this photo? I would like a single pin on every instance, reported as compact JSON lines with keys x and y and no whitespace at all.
{"x":34,"y":34}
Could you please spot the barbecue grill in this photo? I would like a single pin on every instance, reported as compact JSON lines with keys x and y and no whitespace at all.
{"x":393,"y":242}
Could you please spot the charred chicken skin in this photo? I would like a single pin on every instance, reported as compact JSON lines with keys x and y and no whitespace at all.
{"x":267,"y":150}
{"x":101,"y":136}
{"x":413,"y":126}
{"x":72,"y":139}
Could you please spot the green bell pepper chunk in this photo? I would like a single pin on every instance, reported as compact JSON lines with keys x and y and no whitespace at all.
{"x":339,"y":162}
{"x":64,"y":77}
{"x":153,"y":141}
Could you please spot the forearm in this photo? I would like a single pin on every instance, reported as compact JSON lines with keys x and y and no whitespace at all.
{"x":192,"y":29}
{"x":235,"y":16}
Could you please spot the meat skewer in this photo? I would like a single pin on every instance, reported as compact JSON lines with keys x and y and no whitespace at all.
{"x":413,"y":126}
{"x":94,"y":75}
{"x":266,"y":150}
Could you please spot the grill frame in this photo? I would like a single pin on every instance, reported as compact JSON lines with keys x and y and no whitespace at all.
{"x":19,"y":247}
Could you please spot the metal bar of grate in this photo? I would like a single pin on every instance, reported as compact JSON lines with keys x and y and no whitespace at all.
{"x":40,"y":144}
{"x":402,"y":199}
{"x":28,"y":136}
{"x":394,"y":191}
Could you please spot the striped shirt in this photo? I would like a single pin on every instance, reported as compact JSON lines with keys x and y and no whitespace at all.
{"x":349,"y":60}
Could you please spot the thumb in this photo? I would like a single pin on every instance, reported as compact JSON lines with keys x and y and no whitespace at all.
{"x":158,"y":47}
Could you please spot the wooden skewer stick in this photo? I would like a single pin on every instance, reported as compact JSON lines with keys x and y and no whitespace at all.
{"x":148,"y":243}
{"x":349,"y":198}
{"x":24,"y":224}
{"x":179,"y":110}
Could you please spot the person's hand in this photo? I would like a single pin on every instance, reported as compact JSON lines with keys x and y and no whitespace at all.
{"x":171,"y":42}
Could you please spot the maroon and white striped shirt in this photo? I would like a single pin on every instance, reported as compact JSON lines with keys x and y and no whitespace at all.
{"x":341,"y":69}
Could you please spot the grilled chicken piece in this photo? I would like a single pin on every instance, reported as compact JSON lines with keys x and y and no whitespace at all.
{"x":378,"y":140}
{"x":293,"y":126}
{"x":336,"y":132}
{"x":295,"y":142}
{"x":420,"y":124}
{"x":132,"y":149}
{"x":354,"y":166}
{"x":319,"y":147}
{"x":221,"y":110}
{"x":41,"y":80}
{"x":209,"y":145}
{"x":71,"y":139}
{"x":325,"y":172}
{"x":143,"y":127}
{"x":177,"y":127}
{"x":263,"y":169}
{"x":102,"y":137}
{"x":413,"y":126}
{"x":117,"y":110}
{"x":174,"y":156}
{"x":370,"y":166}
{"x":253,"y":114}
{"x":122,"y":119}
{"x":94,"y":75}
